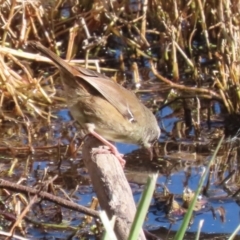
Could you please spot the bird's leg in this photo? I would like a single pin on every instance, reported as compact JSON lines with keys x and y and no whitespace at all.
{"x":113,"y":149}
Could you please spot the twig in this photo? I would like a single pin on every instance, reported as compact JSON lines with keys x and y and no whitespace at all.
{"x":47,"y":196}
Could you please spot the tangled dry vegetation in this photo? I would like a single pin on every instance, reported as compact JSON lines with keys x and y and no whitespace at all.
{"x":189,"y":46}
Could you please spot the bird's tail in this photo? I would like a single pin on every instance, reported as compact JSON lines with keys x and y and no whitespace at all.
{"x":54,"y":57}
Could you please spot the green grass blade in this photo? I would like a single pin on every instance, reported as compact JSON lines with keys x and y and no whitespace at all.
{"x":199,"y":229}
{"x":234,"y":233}
{"x":142,"y":208}
{"x":187,"y":217}
{"x":108,"y":225}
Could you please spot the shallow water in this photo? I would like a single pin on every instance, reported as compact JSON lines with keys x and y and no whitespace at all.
{"x":186,"y":154}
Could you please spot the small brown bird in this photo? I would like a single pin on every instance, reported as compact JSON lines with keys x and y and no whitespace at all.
{"x":104,"y":108}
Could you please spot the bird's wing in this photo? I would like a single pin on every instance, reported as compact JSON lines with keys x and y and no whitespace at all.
{"x":122,"y":99}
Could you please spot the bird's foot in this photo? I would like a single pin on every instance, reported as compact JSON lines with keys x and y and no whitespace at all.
{"x":100,"y":150}
{"x":114,"y":151}
{"x":118,"y":155}
{"x":112,"y":148}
